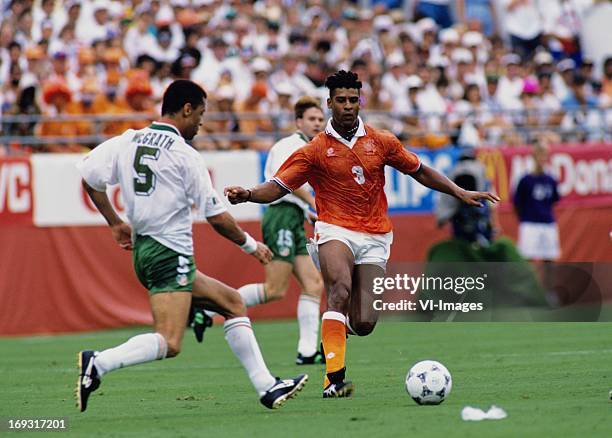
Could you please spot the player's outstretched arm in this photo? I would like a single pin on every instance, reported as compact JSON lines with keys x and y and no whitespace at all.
{"x":433,"y":179}
{"x":261,"y":194}
{"x":226,"y":225}
{"x":122,"y":233}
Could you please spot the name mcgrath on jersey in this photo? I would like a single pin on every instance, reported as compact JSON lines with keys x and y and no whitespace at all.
{"x":161,"y":179}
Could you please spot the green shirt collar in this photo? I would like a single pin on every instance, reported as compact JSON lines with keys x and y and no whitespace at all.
{"x":161,"y":126}
{"x":302,"y":136}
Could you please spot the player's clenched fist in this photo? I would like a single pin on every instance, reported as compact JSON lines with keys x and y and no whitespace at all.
{"x":237,"y":195}
{"x":122,"y":233}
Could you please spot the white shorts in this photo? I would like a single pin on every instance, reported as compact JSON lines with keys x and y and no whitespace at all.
{"x":539,"y":241}
{"x":366,"y":248}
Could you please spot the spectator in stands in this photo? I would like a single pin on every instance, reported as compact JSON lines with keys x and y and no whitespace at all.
{"x":394,"y":81}
{"x":88,"y":104}
{"x":11,"y":88}
{"x":586,"y":70}
{"x":23,"y":31}
{"x":463,"y":75}
{"x":139,"y":38}
{"x":562,"y":81}
{"x":510,"y":84}
{"x":529,"y":105}
{"x":223,"y":38}
{"x":137,"y":100}
{"x":471,"y":117}
{"x":283,"y":109}
{"x":25,"y":105}
{"x":163,"y":50}
{"x":550,"y":105}
{"x":478,"y":15}
{"x":213,"y":63}
{"x":98,"y":25}
{"x":523,"y":22}
{"x":291,"y":75}
{"x":562,"y":26}
{"x":183,"y":66}
{"x":606,"y":83}
{"x":581,"y":112}
{"x":218,"y":130}
{"x":491,"y":98}
{"x":414,"y":124}
{"x":57,"y":95}
{"x":258,"y":120}
{"x":60,"y":70}
{"x":438,"y":10}
{"x":37,"y":65}
{"x":71,"y":17}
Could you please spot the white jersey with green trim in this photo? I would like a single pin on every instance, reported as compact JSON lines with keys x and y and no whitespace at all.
{"x":161,"y":179}
{"x":277,"y":155}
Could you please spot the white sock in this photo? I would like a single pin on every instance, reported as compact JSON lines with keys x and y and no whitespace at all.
{"x":308,"y":322}
{"x":239,"y":335}
{"x":252,"y":294}
{"x":139,"y":349}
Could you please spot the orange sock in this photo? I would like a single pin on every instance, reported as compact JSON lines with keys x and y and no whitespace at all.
{"x":333,"y":335}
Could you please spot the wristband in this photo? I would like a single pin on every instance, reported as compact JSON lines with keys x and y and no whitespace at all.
{"x":250,"y":245}
{"x":250,"y":193}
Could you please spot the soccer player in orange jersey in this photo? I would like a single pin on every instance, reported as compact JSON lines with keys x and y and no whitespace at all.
{"x":345,"y":166}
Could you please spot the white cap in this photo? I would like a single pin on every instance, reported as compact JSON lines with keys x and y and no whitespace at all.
{"x":449,"y":35}
{"x":566,"y":64}
{"x":413,"y":81}
{"x":99,"y":4}
{"x":472,"y":38}
{"x":382,"y":22}
{"x":283,"y":89}
{"x":426,"y":24}
{"x":395,"y":60}
{"x":366,"y":14}
{"x":225,"y":92}
{"x":462,"y":55}
{"x":511,"y":58}
{"x":543,"y":58}
{"x":116,"y":9}
{"x":437,"y":61}
{"x":165,"y":15}
{"x":261,"y":64}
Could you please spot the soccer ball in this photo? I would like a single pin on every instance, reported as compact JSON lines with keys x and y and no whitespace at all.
{"x":428,"y":382}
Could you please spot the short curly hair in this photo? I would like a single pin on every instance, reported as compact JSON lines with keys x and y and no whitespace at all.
{"x":342,"y":79}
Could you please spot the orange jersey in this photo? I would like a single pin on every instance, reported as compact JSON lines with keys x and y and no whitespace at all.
{"x":349,"y":182}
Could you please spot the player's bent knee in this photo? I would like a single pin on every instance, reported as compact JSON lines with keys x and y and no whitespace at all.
{"x":315,"y":287}
{"x":275,"y":292}
{"x":340,"y":289}
{"x":235,"y":306}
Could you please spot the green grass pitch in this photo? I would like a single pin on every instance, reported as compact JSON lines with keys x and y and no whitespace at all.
{"x":552,"y":379}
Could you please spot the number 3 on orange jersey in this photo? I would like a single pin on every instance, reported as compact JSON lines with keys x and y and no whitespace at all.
{"x":358,"y":172}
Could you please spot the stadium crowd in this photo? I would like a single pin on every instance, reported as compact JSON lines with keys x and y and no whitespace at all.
{"x":434,"y":72}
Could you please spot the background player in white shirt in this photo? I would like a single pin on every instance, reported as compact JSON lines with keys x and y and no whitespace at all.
{"x":283,"y":231}
{"x":162,"y":178}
